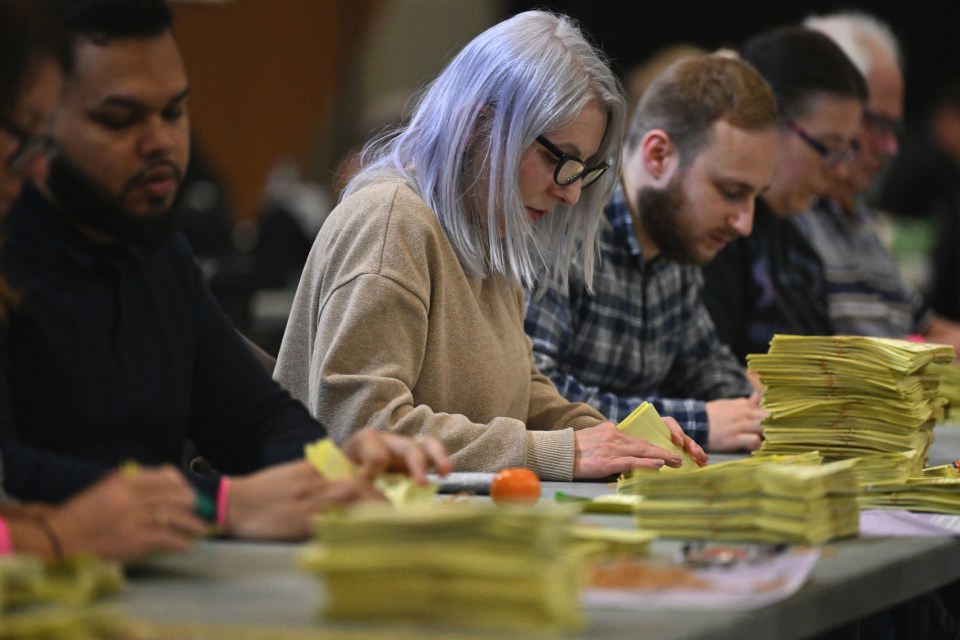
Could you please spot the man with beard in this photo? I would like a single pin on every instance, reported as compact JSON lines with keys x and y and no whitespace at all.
{"x":700,"y":149}
{"x":116,"y":351}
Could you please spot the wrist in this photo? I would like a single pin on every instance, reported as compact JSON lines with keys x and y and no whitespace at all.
{"x":34,"y":534}
{"x":6,"y":541}
{"x":223,"y":503}
{"x":53,"y":539}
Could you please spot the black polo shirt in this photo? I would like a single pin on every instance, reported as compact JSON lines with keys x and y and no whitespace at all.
{"x":115,"y":354}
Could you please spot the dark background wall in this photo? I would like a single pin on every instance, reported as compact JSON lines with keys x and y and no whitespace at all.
{"x":629,"y":30}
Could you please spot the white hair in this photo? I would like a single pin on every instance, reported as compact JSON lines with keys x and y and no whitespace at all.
{"x":523,"y":77}
{"x":855,"y":32}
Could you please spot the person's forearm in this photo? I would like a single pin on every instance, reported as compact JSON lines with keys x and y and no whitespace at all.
{"x":31,"y":533}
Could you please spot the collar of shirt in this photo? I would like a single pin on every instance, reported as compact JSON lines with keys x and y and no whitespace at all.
{"x":845,"y":219}
{"x":39,"y":222}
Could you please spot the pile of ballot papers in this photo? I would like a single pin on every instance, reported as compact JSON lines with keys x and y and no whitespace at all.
{"x":644,"y":422}
{"x":464,"y":564}
{"x":949,"y":387}
{"x":928,"y":493}
{"x":52,"y":600}
{"x":791,"y":499}
{"x":852,"y":396}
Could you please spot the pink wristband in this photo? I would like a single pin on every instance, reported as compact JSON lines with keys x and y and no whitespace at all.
{"x":222,"y":496}
{"x":6,"y":542}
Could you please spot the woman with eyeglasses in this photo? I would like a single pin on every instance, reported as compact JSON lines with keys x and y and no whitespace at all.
{"x":115,"y":518}
{"x":409,"y":313}
{"x":31,"y":73}
{"x":772,"y":281}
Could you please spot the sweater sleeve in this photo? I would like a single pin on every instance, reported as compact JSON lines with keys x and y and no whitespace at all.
{"x":366,"y":362}
{"x":34,"y":474}
{"x":548,"y":407}
{"x":242,"y":420}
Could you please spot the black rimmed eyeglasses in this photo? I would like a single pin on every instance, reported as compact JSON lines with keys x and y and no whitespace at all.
{"x":569,"y":168}
{"x":879,"y":124}
{"x":831,"y":156}
{"x":30,"y":147}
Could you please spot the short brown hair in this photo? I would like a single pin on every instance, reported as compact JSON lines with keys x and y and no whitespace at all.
{"x":692,"y":94}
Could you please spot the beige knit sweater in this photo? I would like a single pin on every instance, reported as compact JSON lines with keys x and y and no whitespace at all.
{"x":386,"y":330}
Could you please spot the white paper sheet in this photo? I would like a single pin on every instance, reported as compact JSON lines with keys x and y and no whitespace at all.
{"x":743,"y":586}
{"x":897,"y":522}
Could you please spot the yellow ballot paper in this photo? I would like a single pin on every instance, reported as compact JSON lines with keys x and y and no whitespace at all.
{"x":47,"y":600}
{"x":647,"y":424}
{"x":400,"y":490}
{"x":466,"y":564}
{"x":329,"y":461}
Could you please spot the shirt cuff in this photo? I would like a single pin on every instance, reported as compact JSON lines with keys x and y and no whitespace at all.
{"x":550,"y":454}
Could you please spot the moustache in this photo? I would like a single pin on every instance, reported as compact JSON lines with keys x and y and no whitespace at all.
{"x":157,"y":169}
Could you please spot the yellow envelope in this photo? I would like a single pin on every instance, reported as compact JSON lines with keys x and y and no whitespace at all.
{"x":329,"y":461}
{"x":646,"y":423}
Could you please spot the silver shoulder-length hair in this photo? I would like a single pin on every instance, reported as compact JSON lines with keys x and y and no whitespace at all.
{"x":523,"y":77}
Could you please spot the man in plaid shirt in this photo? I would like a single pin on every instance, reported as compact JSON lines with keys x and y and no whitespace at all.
{"x":701,"y":147}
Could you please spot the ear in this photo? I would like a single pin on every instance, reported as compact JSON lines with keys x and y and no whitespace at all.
{"x":484,"y":117}
{"x":659,"y":156}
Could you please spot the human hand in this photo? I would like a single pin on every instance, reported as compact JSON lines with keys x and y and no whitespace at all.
{"x":604,"y":450}
{"x":278,"y":503}
{"x":735,"y":423}
{"x":126,"y":516}
{"x":944,"y":331}
{"x":685,"y":442}
{"x":378,"y":451}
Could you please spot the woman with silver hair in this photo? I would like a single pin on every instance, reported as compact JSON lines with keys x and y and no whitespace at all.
{"x":409,"y":314}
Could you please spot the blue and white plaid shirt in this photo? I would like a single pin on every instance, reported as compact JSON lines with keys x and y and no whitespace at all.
{"x":643,"y":335}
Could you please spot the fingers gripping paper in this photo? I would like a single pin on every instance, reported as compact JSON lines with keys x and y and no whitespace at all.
{"x":646,"y":423}
{"x":400,"y":490}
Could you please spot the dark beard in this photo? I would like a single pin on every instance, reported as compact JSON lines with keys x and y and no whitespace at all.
{"x":661,"y":213}
{"x":89,"y":205}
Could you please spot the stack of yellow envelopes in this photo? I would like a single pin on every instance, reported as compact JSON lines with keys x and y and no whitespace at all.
{"x":949,"y":387}
{"x":467,"y":564}
{"x":787,"y":500}
{"x":645,"y":423}
{"x":851,"y":396}
{"x":931,"y":494}
{"x":50,"y":600}
{"x":942,"y":471}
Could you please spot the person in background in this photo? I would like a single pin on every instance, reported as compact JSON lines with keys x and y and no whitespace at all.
{"x":642,"y":75}
{"x":922,"y":187}
{"x":866,"y":293}
{"x":409,"y":313}
{"x":772,"y":281}
{"x":941,"y":166}
{"x":113,"y":350}
{"x":700,"y":149}
{"x":111,"y":519}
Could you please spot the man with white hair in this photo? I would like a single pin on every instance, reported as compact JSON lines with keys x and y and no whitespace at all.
{"x":866,"y":293}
